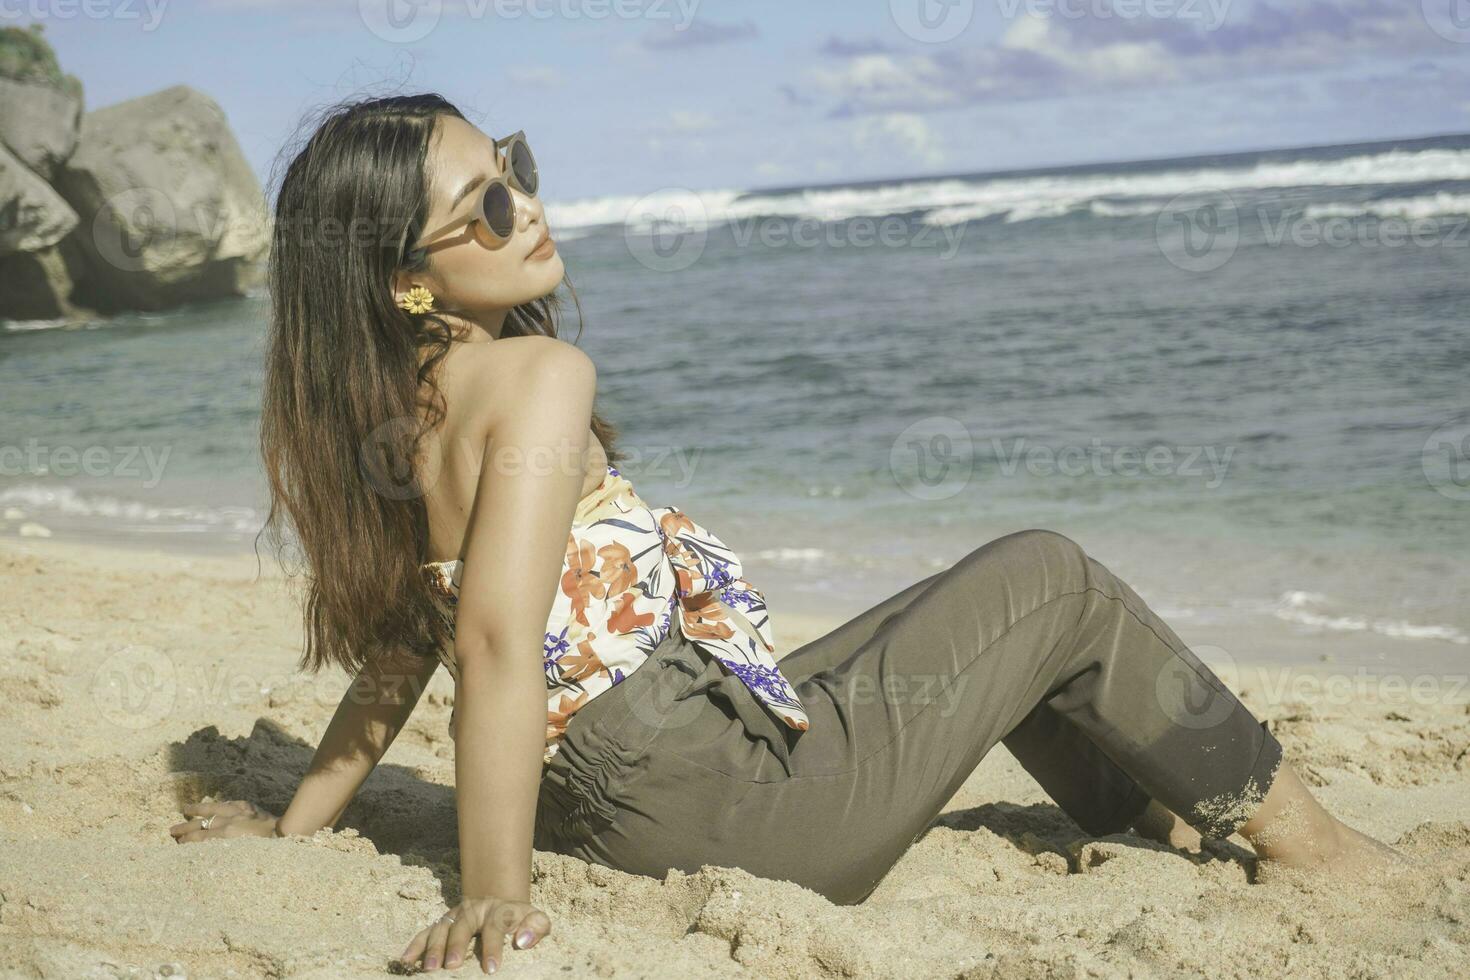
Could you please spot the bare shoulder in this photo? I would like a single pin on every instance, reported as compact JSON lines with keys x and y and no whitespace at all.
{"x":488,"y":381}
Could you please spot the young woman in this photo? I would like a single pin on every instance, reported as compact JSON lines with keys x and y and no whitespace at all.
{"x":456,"y":500}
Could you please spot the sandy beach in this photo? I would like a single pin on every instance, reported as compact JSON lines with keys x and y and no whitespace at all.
{"x":135,"y":682}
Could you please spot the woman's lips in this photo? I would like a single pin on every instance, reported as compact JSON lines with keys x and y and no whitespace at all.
{"x":545,"y":250}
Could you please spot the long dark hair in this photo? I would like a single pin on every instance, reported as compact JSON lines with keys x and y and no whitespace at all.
{"x":347,"y":372}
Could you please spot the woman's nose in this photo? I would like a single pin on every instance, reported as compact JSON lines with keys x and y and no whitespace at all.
{"x":528,"y":209}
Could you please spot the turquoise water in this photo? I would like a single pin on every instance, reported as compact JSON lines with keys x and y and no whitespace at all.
{"x":1281,"y":434}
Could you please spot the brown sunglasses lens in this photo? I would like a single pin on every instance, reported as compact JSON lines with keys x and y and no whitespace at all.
{"x":523,"y":165}
{"x":499,"y":210}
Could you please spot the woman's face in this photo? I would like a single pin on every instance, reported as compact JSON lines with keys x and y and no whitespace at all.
{"x":468,"y":270}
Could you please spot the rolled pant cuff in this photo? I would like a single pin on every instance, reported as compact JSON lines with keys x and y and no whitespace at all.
{"x":1221,"y":816}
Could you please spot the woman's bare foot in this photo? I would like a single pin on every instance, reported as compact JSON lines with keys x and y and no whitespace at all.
{"x":1292,"y":830}
{"x":1159,"y":823}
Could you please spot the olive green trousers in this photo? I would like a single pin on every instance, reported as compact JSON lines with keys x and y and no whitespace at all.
{"x":1027,"y":640}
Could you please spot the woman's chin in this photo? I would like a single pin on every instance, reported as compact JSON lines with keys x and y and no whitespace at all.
{"x":554,"y":269}
{"x":546,"y":277}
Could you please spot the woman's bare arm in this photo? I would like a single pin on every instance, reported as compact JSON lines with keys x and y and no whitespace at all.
{"x":374,"y":710}
{"x":530,"y":483}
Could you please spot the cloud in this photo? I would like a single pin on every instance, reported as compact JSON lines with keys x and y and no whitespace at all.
{"x":681,"y":133}
{"x":1044,"y":55}
{"x":1391,"y":93}
{"x":1307,"y":32}
{"x":700,"y":33}
{"x":837,"y":47}
{"x":540,"y":76}
{"x":883,"y":83}
{"x":899,"y":135}
{"x":684,"y":121}
{"x":794,"y":95}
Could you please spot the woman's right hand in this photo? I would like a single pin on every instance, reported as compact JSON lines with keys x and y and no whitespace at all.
{"x":237,"y":818}
{"x":446,"y":942}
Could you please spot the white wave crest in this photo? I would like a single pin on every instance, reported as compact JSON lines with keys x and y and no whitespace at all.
{"x":953,"y":200}
{"x":1425,"y":206}
{"x":130,"y":514}
{"x":1304,"y":608}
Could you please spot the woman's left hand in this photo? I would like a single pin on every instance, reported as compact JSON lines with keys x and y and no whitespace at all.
{"x":445,"y":942}
{"x":236,"y":818}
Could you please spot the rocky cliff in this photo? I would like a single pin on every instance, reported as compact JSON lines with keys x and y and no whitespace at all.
{"x":142,"y":205}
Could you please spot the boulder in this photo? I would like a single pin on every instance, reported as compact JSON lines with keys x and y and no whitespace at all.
{"x":39,"y":124}
{"x":45,"y":285}
{"x":40,"y":262}
{"x":170,"y":211}
{"x":32,"y":215}
{"x":40,"y":107}
{"x":143,"y":205}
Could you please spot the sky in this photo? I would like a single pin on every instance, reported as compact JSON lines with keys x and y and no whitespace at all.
{"x":635,"y":96}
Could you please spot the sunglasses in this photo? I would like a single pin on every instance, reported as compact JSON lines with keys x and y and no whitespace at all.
{"x":495,"y":208}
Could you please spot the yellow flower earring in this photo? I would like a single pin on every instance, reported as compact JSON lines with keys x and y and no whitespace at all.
{"x":417,"y":300}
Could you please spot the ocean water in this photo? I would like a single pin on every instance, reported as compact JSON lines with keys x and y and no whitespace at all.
{"x":1239,"y":381}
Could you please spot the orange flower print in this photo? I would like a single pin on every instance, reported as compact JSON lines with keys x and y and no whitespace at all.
{"x":674,"y":522}
{"x":557,"y":718}
{"x":582,"y":661}
{"x":705,"y":618}
{"x":579,"y":581}
{"x":618,"y":573}
{"x":685,"y":578}
{"x":442,"y":592}
{"x":625,"y":617}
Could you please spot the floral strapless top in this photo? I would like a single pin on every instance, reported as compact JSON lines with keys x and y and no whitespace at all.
{"x":630,"y":572}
